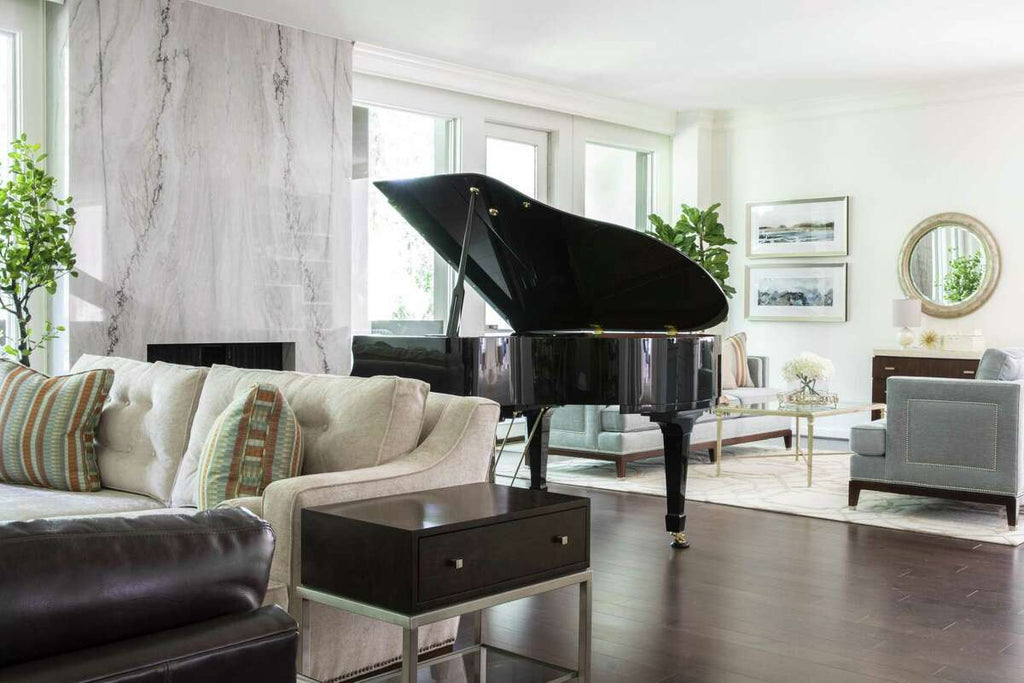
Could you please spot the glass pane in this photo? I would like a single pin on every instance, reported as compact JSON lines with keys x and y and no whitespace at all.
{"x":7,"y":95}
{"x":616,"y":185}
{"x":401,"y":264}
{"x":514,"y":163}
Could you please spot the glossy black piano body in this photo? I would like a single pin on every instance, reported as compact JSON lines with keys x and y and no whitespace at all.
{"x":639,"y":373}
{"x":599,"y":313}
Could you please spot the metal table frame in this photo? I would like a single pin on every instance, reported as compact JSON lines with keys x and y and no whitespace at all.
{"x":411,"y":623}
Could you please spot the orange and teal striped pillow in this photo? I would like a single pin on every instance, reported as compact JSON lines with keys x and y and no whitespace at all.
{"x":255,"y":441}
{"x":48,"y":427}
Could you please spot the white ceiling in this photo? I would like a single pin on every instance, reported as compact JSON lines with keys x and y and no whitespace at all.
{"x":685,"y":54}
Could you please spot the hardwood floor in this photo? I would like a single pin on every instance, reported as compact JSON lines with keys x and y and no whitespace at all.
{"x":771,"y":597}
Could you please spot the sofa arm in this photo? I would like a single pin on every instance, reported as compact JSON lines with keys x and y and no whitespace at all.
{"x":457,"y":451}
{"x":954,"y":433}
{"x":757,"y":366}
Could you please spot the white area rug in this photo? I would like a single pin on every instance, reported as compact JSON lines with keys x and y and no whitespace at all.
{"x":779,"y":484}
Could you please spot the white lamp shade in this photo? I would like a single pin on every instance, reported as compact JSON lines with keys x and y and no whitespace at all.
{"x":906,"y":312}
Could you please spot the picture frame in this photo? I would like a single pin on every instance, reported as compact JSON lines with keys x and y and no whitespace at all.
{"x":798,"y":228}
{"x":796,"y":292}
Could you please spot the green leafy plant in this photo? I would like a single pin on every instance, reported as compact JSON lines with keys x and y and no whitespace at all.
{"x":35,"y":245}
{"x":963,"y":278}
{"x":699,"y":235}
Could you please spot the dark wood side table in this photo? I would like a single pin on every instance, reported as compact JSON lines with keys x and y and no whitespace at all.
{"x":419,"y":558}
{"x":915,"y":362}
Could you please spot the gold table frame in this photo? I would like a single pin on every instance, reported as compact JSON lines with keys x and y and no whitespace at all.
{"x":806,"y":413}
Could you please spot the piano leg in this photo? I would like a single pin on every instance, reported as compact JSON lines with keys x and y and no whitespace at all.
{"x":676,"y":431}
{"x":538,"y":425}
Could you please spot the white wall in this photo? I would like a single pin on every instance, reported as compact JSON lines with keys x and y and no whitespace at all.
{"x":898,"y":165}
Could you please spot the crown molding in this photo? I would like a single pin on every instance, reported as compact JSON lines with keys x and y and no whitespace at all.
{"x":850,"y":105}
{"x":385,"y":63}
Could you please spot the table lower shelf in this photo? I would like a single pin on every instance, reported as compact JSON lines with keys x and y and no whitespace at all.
{"x":412,"y":665}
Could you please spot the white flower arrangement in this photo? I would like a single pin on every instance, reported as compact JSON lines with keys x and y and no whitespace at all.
{"x":808,"y":369}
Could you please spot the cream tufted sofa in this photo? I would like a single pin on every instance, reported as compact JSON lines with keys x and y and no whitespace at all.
{"x":362,"y":438}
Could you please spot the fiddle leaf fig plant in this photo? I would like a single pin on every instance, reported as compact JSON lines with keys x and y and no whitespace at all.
{"x":35,"y":245}
{"x":699,"y":235}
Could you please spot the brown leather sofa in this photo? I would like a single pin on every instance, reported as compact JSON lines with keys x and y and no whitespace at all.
{"x":167,"y":598}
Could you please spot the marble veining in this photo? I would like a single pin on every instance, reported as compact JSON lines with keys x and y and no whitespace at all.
{"x":209,"y":158}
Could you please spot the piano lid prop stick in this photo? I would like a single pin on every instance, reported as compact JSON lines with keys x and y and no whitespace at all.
{"x":459,"y":292}
{"x":495,"y":459}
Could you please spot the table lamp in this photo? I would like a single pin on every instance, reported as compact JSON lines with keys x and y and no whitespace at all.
{"x":906,"y":313}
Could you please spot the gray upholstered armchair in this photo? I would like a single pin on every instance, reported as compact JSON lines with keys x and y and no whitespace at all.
{"x":949,"y":438}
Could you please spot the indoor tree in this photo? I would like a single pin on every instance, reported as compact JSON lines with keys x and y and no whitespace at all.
{"x":699,"y":235}
{"x":35,"y":245}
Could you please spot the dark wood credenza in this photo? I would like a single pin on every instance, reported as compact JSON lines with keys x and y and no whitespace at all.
{"x":888,"y":363}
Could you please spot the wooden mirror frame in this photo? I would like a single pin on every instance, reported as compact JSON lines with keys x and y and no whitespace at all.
{"x":992,"y":264}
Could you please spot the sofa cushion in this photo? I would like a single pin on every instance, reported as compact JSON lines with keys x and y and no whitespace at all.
{"x":31,"y":502}
{"x":614,"y":421}
{"x":1004,"y":365}
{"x":868,"y":439}
{"x":747,"y":396}
{"x":255,"y":441}
{"x":347,"y":422}
{"x":867,"y":467}
{"x":145,"y":423}
{"x":48,"y":427}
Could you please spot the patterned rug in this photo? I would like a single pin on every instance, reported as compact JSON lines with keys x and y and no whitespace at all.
{"x":779,"y":484}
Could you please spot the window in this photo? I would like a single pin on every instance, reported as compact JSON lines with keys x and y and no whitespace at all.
{"x":518,"y":157}
{"x":407,"y":280}
{"x":617,"y":185}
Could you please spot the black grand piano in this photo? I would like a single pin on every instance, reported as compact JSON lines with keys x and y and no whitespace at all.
{"x":600,"y":315}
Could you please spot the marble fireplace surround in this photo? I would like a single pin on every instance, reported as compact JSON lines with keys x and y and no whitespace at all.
{"x":209,"y":157}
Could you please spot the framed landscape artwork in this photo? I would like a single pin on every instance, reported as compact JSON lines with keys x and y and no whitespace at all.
{"x":797,"y":228}
{"x":797,"y":292}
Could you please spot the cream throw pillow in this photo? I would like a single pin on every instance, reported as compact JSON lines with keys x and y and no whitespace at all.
{"x":735,"y":372}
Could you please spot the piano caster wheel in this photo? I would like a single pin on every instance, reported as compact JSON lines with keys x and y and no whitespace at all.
{"x":679,"y":540}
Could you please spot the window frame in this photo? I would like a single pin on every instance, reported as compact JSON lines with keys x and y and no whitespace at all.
{"x":447,"y":158}
{"x":26,"y":19}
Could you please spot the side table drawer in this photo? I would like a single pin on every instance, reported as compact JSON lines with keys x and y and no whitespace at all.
{"x":461,"y":561}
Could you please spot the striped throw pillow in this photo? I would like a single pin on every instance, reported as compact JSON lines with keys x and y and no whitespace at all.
{"x":48,"y":427}
{"x":255,"y":441}
{"x":735,"y":371}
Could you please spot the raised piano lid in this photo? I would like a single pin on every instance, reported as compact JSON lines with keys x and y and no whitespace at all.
{"x":546,"y":270}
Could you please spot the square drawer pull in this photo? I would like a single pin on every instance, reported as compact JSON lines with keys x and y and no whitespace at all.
{"x":562,"y":540}
{"x":456,"y":563}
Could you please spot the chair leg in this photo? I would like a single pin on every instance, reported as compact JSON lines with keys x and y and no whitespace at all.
{"x":1012,"y":508}
{"x":854,"y":494}
{"x":620,"y":468}
{"x":788,"y":440}
{"x":713,"y":455}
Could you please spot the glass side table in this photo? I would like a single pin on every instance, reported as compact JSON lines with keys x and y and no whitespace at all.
{"x":808,"y":413}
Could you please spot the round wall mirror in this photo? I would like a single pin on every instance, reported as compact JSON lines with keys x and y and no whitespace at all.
{"x":949,"y":261}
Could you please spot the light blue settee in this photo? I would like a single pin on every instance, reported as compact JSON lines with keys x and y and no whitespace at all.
{"x":948,"y":438}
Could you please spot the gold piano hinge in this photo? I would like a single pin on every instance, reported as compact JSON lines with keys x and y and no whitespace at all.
{"x":671,"y":330}
{"x":493,"y":212}
{"x":597,"y":329}
{"x":474,"y":190}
